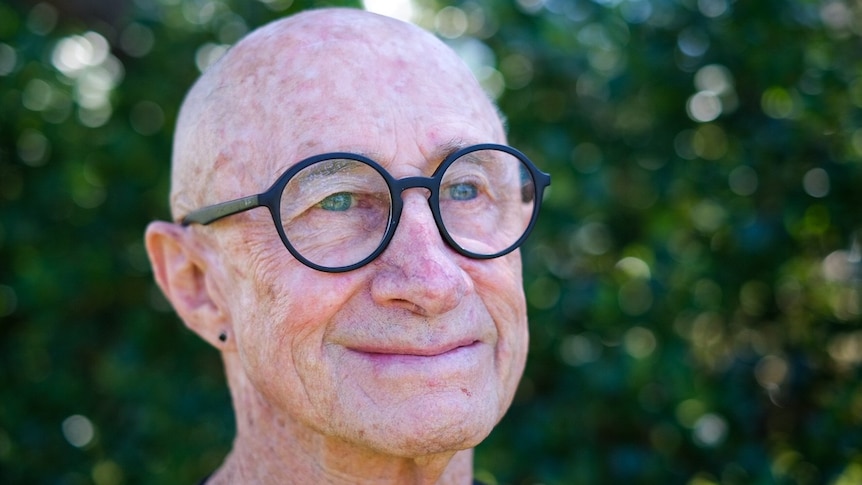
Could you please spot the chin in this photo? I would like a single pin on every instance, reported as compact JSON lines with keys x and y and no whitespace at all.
{"x":433,"y":425}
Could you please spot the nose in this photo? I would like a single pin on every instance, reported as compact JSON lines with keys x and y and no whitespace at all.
{"x":418,"y":271}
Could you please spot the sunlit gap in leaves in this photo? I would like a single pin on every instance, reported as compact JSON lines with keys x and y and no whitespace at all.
{"x":463,"y":28}
{"x":842,"y":272}
{"x":93,"y":72}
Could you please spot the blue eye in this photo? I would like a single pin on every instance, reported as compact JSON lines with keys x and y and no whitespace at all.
{"x":339,"y":202}
{"x":462,"y":192}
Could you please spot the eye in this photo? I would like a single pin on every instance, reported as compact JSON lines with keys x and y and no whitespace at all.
{"x":462,"y":191}
{"x":339,"y":202}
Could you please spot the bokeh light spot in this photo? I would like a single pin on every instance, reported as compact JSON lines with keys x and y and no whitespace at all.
{"x":37,"y":95}
{"x":704,"y":106}
{"x":208,"y":54}
{"x":816,"y":183}
{"x":836,"y":15}
{"x":636,"y":11}
{"x":838,"y":267}
{"x":714,"y":78}
{"x":531,"y":6}
{"x":708,"y":216}
{"x":198,"y":12}
{"x":771,"y":372}
{"x":593,"y":238}
{"x":451,"y":22}
{"x":712,"y":8}
{"x":850,"y":475}
{"x":8,"y":59}
{"x":778,"y":103}
{"x":710,"y":430}
{"x":846,"y":348}
{"x":707,"y":329}
{"x":93,"y":88}
{"x":33,"y":148}
{"x":634,"y":267}
{"x":639,"y":342}
{"x":693,"y":42}
{"x":75,"y":53}
{"x":577,"y":350}
{"x":78,"y":430}
{"x":95,"y":117}
{"x":86,"y":60}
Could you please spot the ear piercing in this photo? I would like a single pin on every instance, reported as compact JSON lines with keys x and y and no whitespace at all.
{"x":222,"y":337}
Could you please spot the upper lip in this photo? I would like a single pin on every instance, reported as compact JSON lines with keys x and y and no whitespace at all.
{"x":428,"y":351}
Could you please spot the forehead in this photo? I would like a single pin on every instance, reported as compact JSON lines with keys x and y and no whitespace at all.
{"x":393,"y":97}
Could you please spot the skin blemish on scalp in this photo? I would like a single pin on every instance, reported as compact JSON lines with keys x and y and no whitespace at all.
{"x":466,"y":392}
{"x":221,"y":162}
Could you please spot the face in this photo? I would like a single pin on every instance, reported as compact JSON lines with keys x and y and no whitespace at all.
{"x":419,"y":351}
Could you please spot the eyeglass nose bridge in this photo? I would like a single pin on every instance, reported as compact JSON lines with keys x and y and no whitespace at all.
{"x":416,"y":182}
{"x":432,"y":185}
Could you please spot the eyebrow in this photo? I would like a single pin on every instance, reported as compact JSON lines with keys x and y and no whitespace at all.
{"x":448,"y":148}
{"x":328,"y":167}
{"x":436,"y":157}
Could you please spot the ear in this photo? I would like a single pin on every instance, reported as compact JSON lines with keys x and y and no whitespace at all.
{"x":181,"y":271}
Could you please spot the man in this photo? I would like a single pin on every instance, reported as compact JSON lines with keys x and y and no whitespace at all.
{"x":377,"y":332}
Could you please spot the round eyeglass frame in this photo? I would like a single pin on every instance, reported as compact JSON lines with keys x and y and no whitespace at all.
{"x":271,"y":199}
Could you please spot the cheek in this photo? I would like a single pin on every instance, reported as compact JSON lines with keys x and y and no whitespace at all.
{"x":500,"y":287}
{"x":499,"y":284}
{"x":281,"y":311}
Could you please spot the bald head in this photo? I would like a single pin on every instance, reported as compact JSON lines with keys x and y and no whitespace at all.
{"x":393,"y":370}
{"x":322,"y":80}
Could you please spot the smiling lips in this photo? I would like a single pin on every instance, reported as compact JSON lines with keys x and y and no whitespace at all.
{"x":416,"y":352}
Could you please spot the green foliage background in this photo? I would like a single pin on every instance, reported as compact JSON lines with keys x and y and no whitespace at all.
{"x":694,"y":282}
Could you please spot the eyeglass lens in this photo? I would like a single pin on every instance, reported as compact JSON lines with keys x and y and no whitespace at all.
{"x":336,"y":212}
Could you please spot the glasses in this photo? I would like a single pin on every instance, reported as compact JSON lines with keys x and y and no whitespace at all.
{"x":338,"y":211}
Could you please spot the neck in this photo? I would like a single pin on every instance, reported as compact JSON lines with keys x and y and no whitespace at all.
{"x":272,"y":448}
{"x":244,"y":465}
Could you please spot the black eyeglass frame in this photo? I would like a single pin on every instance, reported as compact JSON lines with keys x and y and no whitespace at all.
{"x":271,"y":199}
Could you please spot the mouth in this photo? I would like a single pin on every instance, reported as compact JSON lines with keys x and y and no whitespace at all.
{"x":418,"y":352}
{"x":435,"y":366}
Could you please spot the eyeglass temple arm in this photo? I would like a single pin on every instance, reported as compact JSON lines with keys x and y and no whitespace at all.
{"x":215,"y":212}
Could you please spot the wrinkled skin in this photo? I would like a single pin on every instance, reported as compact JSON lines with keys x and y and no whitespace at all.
{"x":389,"y":373}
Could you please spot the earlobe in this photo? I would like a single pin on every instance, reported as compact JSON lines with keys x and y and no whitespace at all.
{"x":180,"y":270}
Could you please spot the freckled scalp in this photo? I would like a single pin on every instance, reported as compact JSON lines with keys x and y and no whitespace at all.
{"x":241,"y":120}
